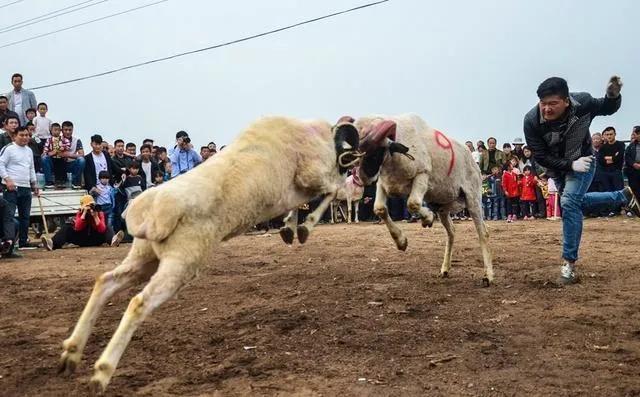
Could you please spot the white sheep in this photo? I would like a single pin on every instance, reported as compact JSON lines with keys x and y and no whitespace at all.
{"x":409,"y":158}
{"x":274,"y":166}
{"x":351,"y":192}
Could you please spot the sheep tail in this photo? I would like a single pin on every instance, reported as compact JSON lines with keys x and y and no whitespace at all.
{"x":153,"y":215}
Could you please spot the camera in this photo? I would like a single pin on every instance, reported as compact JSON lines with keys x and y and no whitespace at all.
{"x":186,"y":139}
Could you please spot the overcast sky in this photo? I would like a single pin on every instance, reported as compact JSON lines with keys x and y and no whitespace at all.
{"x":469,"y":68}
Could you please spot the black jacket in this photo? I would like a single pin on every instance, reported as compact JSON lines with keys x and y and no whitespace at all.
{"x":154,"y":168}
{"x":90,"y":180}
{"x":118,"y":164}
{"x":616,"y":151}
{"x":630,"y":156}
{"x":7,"y":114}
{"x":5,"y":139}
{"x":557,"y":144}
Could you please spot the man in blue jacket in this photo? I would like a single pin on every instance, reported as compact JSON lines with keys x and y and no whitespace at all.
{"x":557,"y":130}
{"x":183,"y":157}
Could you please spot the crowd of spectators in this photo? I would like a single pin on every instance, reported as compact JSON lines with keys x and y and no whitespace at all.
{"x":33,"y":145}
{"x":515,"y":186}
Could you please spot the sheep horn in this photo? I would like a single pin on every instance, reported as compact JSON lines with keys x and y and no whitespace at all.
{"x":358,"y":156}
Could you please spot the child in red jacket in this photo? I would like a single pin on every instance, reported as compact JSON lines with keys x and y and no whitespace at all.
{"x":528,"y":198}
{"x":511,"y":189}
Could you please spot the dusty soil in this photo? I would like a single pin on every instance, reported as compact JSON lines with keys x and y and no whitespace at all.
{"x":347,"y":314}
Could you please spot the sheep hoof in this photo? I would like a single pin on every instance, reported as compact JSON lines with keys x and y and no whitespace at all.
{"x":402,"y":244}
{"x":427,"y":222}
{"x":485,"y":282}
{"x":67,"y":366}
{"x":303,"y":234}
{"x":287,"y":235}
{"x":444,"y":275}
{"x":96,"y":388}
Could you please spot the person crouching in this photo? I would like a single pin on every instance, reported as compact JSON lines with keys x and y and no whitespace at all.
{"x":89,"y":229}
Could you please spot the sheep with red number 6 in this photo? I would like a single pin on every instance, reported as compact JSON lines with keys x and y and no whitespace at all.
{"x":410,"y":158}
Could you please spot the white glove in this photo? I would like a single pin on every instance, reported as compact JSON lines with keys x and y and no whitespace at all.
{"x":614,"y":87}
{"x":583,"y":164}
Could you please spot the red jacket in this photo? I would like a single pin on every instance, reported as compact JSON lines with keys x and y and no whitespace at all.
{"x":80,"y":224}
{"x":510,"y":184}
{"x":528,"y":185}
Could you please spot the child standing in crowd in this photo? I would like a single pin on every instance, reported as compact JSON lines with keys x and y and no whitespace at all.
{"x":19,"y":179}
{"x":528,"y":197}
{"x":510,"y":187}
{"x":55,"y":146}
{"x":158,"y":177}
{"x":132,"y":184}
{"x":34,"y":146}
{"x":486,"y":191}
{"x":553,"y":210}
{"x":496,"y":194}
{"x":31,"y":114}
{"x":103,"y":194}
{"x":42,"y":123}
{"x":167,"y":170}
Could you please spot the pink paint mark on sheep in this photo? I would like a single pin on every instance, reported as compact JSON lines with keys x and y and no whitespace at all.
{"x":445,"y":143}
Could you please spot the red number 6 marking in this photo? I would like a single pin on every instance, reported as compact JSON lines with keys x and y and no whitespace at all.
{"x":445,"y":143}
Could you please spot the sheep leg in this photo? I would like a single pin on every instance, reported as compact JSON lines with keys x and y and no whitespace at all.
{"x":137,"y":267}
{"x":169,"y":278}
{"x":349,"y":210}
{"x":313,"y":218}
{"x":356,"y":208}
{"x":414,"y":202}
{"x":333,"y":213}
{"x":445,"y":218}
{"x":473,"y":206}
{"x":380,"y":209}
{"x":287,"y":232}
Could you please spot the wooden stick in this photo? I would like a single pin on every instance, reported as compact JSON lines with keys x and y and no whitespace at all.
{"x":44,"y":220}
{"x":437,"y":361}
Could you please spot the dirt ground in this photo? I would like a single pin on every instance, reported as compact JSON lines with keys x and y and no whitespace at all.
{"x":347,"y":314}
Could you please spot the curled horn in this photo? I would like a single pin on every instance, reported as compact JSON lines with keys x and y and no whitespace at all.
{"x":357,"y":156}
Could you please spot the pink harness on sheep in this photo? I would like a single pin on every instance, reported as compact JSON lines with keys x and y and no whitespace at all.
{"x":355,"y":177}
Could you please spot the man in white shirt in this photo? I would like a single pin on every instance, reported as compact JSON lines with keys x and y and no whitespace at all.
{"x":19,"y":179}
{"x":96,"y":162}
{"x":148,"y":166}
{"x":20,"y":99}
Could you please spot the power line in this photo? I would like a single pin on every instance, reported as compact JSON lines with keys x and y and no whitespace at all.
{"x":228,"y":43}
{"x":41,"y":18}
{"x":45,"y":15}
{"x":81,"y":24}
{"x":12,"y":3}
